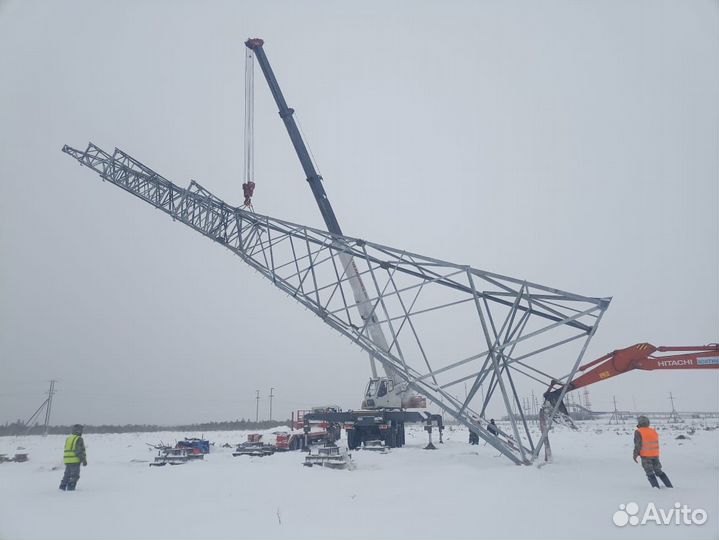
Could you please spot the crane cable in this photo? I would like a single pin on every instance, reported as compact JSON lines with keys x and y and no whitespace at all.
{"x":248,"y":185}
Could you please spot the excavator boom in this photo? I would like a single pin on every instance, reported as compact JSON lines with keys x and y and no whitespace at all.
{"x":640,"y":356}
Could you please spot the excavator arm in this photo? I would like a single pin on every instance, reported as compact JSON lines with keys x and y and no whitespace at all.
{"x":640,"y":356}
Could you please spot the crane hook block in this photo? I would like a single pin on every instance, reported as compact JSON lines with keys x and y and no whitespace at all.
{"x":254,"y":43}
{"x":248,"y":189}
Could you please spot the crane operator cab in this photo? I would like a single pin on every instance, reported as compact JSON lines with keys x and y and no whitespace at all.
{"x":384,"y":393}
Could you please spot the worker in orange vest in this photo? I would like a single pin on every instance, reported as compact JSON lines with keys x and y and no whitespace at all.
{"x":646,"y":445}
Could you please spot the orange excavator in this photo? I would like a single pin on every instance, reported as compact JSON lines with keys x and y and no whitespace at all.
{"x":639,"y":356}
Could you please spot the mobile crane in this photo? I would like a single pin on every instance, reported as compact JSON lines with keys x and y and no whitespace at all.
{"x":382,"y":415}
{"x":640,"y":356}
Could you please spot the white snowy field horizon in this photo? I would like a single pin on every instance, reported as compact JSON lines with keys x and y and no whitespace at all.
{"x":457,"y":491}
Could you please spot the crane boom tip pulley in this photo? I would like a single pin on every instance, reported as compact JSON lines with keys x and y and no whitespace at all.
{"x":254,"y":43}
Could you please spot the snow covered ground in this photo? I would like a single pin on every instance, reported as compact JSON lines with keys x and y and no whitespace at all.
{"x":458,"y":491}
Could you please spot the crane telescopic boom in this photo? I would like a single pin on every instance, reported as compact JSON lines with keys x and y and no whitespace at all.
{"x":287,"y":115}
{"x":398,"y":395}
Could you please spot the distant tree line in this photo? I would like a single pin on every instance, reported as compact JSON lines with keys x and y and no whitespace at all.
{"x":19,"y":428}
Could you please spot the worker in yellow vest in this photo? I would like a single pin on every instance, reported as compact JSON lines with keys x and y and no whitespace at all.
{"x":646,"y":446}
{"x":74,"y":456}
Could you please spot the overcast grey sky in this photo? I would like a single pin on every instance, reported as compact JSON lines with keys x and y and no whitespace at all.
{"x":573,"y":144}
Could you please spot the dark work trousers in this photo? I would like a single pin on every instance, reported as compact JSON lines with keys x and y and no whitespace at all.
{"x":71,"y":476}
{"x":652,"y":466}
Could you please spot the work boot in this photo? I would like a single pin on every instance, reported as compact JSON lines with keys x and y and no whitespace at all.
{"x":652,"y":481}
{"x":63,"y":487}
{"x":666,"y":480}
{"x":71,"y":487}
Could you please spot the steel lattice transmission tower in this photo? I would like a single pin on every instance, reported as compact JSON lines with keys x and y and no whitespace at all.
{"x":447,"y":323}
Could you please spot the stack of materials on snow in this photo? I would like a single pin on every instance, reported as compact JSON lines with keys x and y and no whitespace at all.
{"x":192,"y":449}
{"x":254,"y":447}
{"x":329,"y":456}
{"x":198,"y":446}
{"x":376,"y":446}
{"x":18,"y":458}
{"x":175,"y":456}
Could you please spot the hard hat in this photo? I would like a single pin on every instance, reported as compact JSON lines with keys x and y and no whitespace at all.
{"x":642,"y":421}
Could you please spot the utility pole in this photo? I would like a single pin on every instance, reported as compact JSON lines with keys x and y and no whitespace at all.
{"x":674,"y":417}
{"x":48,"y":409}
{"x":47,"y":405}
{"x":617,"y":416}
{"x":534,"y":403}
{"x":257,"y":406}
{"x":271,"y":396}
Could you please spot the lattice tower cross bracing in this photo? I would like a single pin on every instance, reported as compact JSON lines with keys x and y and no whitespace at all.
{"x":446,"y":323}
